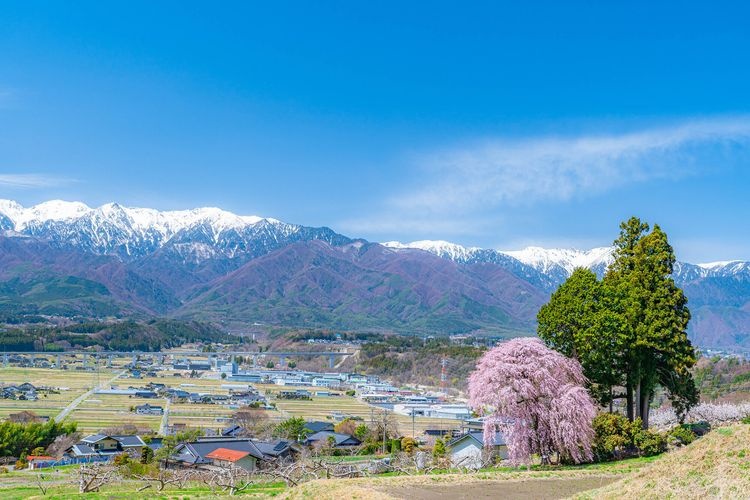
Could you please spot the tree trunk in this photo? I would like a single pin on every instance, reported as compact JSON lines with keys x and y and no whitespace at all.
{"x":629,"y":390}
{"x":645,"y":407}
{"x":638,"y":400}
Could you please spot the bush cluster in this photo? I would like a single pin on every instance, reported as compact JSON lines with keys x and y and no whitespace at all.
{"x":683,"y":434}
{"x":616,"y":437}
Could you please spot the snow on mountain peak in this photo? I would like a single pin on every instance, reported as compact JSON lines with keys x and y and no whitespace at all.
{"x":437,"y":247}
{"x":166,"y":222}
{"x":544,"y":259}
{"x":725,"y":268}
{"x":718,"y":264}
{"x":49,"y":210}
{"x":113,"y":226}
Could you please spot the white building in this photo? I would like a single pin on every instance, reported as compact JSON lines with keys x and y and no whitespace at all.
{"x":469,"y":450}
{"x":456,"y":412}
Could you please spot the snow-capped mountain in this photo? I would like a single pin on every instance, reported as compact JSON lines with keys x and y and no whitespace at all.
{"x":476,"y":255}
{"x":550,"y":267}
{"x":66,"y":258}
{"x":547,"y":259}
{"x":130,"y":233}
{"x":440,"y":248}
{"x":556,"y":264}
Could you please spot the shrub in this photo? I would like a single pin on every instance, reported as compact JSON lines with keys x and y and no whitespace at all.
{"x":699,"y":428}
{"x":613,"y":436}
{"x":147,"y":455}
{"x":351,"y":392}
{"x":746,"y":420}
{"x":683,"y":434}
{"x":650,"y":443}
{"x":616,"y":437}
{"x":395,"y":446}
{"x":21,"y":463}
{"x":408,"y":445}
{"x":121,"y":459}
{"x":438,"y":451}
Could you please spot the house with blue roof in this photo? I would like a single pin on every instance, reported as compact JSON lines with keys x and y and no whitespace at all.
{"x":98,"y":446}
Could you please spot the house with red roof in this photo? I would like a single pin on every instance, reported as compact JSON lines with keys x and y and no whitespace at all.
{"x":224,"y":457}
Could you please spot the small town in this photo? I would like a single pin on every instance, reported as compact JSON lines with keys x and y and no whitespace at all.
{"x":221,"y":417}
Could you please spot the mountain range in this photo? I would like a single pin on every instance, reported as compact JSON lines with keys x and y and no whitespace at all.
{"x":65,"y":258}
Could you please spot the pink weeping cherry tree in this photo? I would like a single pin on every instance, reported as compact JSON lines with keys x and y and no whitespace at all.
{"x":536,"y":397}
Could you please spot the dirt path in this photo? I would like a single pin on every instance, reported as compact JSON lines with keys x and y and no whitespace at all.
{"x":536,"y":489}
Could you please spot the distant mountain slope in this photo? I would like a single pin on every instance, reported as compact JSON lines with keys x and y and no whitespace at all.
{"x":26,"y":261}
{"x":718,"y":293}
{"x":115,"y":260}
{"x":365,"y":285}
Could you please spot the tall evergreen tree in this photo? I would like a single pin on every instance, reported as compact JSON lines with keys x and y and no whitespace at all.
{"x":630,"y":329}
{"x":656,"y":317}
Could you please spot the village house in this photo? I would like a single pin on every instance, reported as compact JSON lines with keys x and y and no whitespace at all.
{"x":147,"y":409}
{"x":196,"y":453}
{"x":469,"y":450}
{"x":334,"y":439}
{"x":298,"y":394}
{"x":318,"y":426}
{"x":224,"y":457}
{"x":39,"y":461}
{"x":21,"y":392}
{"x":104,"y":446}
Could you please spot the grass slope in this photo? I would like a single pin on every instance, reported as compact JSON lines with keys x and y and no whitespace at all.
{"x":715,"y":466}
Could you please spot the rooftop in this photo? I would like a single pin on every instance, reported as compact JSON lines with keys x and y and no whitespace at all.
{"x":227,"y":454}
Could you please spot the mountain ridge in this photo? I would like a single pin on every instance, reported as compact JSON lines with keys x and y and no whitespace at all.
{"x":246,"y":269}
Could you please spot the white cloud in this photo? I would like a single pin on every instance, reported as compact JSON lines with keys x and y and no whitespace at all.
{"x":31,"y":181}
{"x":515,"y":172}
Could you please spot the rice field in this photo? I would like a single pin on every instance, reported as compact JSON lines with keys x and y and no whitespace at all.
{"x":101,"y":411}
{"x":71,"y":384}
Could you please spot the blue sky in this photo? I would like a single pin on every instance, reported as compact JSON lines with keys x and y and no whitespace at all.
{"x":490,"y":124}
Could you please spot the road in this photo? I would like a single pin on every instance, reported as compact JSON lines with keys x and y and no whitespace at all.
{"x":74,"y":404}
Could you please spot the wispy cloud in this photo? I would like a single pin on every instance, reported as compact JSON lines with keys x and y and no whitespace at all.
{"x":32,"y":181}
{"x":471,"y":190}
{"x":504,"y":172}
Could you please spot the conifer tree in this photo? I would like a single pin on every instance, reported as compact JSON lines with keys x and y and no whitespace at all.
{"x":628,"y":330}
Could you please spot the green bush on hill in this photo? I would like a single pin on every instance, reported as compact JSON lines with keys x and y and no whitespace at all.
{"x":616,"y":438}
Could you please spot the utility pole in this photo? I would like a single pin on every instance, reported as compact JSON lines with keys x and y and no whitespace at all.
{"x":444,"y":374}
{"x":96,"y":366}
{"x":385,"y":423}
